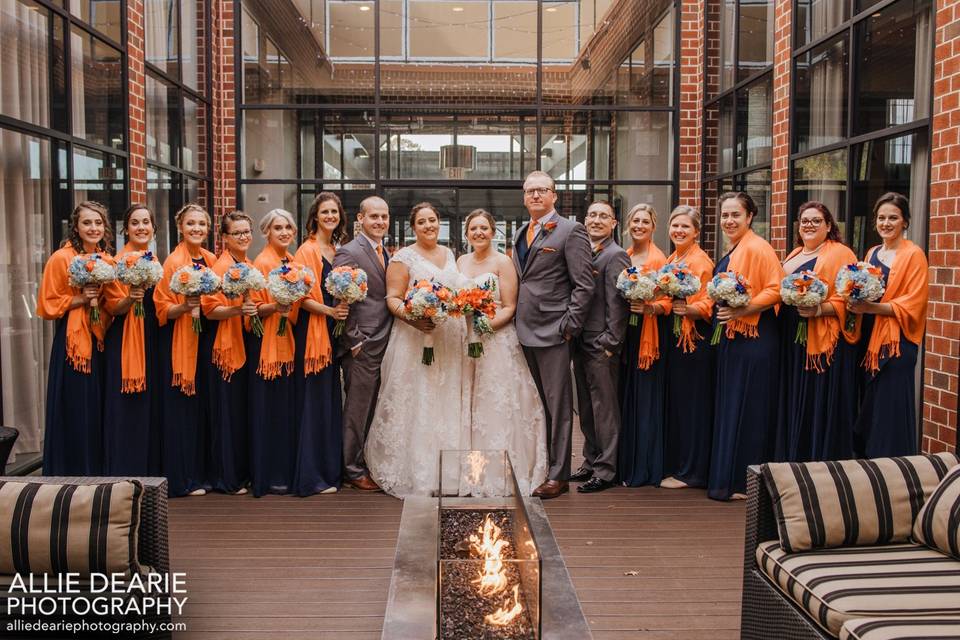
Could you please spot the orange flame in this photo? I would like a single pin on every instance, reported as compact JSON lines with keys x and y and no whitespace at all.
{"x":505,"y":614}
{"x":493,"y":578}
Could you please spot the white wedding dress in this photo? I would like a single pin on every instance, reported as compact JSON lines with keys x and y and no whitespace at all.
{"x":421,"y":409}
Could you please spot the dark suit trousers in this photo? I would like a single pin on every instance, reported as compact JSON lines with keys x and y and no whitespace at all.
{"x":597,"y":383}
{"x":361,"y":384}
{"x":550,"y":367}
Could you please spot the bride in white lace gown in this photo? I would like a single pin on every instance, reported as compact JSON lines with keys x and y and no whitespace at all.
{"x":505,"y":407}
{"x":421,"y":409}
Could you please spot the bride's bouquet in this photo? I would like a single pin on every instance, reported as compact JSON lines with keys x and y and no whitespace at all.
{"x":478,"y":306}
{"x":139,"y":269}
{"x":194,"y":280}
{"x":238,"y":281}
{"x":346,"y":284}
{"x":289,"y":283}
{"x":728,"y":289}
{"x":91,"y":268}
{"x":427,"y":299}
{"x":802,"y":289}
{"x":636,"y":286}
{"x":859,"y":282}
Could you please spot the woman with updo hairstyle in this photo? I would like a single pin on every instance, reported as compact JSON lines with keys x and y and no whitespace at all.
{"x":690,"y":363}
{"x":893,"y":331}
{"x":73,"y":441}
{"x":748,"y":363}
{"x":817,"y":409}
{"x":133,"y":397}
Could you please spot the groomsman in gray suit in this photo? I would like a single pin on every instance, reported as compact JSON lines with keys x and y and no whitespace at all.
{"x":552,"y":257}
{"x":596,"y":366}
{"x":365,"y":336}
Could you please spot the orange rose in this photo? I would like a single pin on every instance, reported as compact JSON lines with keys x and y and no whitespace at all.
{"x":90,"y":265}
{"x":184,"y":278}
{"x":235,"y":273}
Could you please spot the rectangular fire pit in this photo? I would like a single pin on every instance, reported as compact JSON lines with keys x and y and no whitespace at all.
{"x":479,"y":561}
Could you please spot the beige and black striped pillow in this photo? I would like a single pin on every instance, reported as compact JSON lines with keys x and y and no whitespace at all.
{"x":938,"y":523}
{"x":60,"y":528}
{"x":851,"y":502}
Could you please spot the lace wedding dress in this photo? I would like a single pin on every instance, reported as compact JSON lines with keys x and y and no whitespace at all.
{"x":421,"y":409}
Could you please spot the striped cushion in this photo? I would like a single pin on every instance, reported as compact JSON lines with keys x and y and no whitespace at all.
{"x":58,"y":528}
{"x":922,"y":628}
{"x":836,"y":585}
{"x":851,"y":502}
{"x":938,"y":523}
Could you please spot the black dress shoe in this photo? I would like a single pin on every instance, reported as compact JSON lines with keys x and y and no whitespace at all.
{"x":581,"y":475}
{"x":594,"y":484}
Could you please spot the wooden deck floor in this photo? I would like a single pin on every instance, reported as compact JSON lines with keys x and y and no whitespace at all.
{"x":647,"y":563}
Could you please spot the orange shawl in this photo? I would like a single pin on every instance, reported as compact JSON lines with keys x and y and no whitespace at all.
{"x":317,"y":352}
{"x":649,"y":332}
{"x":133,"y":364}
{"x":54,"y":300}
{"x":185,"y":341}
{"x":824,"y":331}
{"x":906,"y":292}
{"x":701,"y":265}
{"x":228,"y":350}
{"x":276,"y":352}
{"x":756,"y":261}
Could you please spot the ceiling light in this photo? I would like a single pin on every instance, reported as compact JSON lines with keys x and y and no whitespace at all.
{"x":457,"y":9}
{"x":551,"y":9}
{"x":364,"y":7}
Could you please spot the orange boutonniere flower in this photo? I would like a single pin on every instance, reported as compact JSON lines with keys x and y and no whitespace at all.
{"x":548,"y":227}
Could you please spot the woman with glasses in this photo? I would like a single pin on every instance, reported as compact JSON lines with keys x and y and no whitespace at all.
{"x":893,"y":328}
{"x":227,"y":344}
{"x":818,"y":404}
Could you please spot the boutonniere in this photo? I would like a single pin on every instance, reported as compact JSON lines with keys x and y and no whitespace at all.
{"x":548,"y":227}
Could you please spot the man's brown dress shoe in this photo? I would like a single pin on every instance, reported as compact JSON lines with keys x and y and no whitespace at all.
{"x":364,"y":483}
{"x":551,"y":489}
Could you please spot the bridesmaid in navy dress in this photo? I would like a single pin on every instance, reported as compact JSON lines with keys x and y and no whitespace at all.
{"x":747,"y":356}
{"x":893,"y":327}
{"x":317,"y":378}
{"x":73,"y":436}
{"x":818,"y":399}
{"x":132,"y":408}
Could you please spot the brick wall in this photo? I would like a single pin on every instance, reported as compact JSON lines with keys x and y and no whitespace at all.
{"x":224,"y":142}
{"x":943,"y":318}
{"x":136,"y":131}
{"x":782,"y":38}
{"x":691,"y":101}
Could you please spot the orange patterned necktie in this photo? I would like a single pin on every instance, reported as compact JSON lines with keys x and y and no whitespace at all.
{"x":380,"y":255}
{"x":531,"y":232}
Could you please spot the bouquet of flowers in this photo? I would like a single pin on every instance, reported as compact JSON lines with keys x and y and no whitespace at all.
{"x":288,"y":283}
{"x":238,"y":281}
{"x":91,"y":268}
{"x":476,"y":303}
{"x":679,"y":282}
{"x":728,"y":289}
{"x":139,"y":269}
{"x":346,"y":284}
{"x":636,"y":286}
{"x":427,"y":299}
{"x":802,"y":289}
{"x":194,"y":280}
{"x":859,"y":282}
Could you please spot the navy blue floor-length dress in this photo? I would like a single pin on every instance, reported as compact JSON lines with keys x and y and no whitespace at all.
{"x":132,"y":422}
{"x":319,"y":415}
{"x":745,"y":412}
{"x":227,"y":410}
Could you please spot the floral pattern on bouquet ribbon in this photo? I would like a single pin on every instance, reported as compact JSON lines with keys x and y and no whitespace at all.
{"x":727,"y":289}
{"x":803,"y":289}
{"x":678,"y":281}
{"x":859,"y":282}
{"x":195,"y":280}
{"x":428,"y":299}
{"x":478,"y":306}
{"x":91,"y":268}
{"x":139,"y":269}
{"x":346,"y":284}
{"x":288,"y":284}
{"x":636,"y":285}
{"x":238,"y":281}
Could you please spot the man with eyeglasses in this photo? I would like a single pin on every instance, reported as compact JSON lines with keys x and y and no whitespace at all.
{"x":552,"y":257}
{"x":596,"y":366}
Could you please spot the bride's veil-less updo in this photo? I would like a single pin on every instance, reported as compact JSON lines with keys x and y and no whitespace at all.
{"x":479,"y":213}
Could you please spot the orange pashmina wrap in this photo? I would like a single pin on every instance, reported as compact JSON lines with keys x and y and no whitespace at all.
{"x":755,"y":260}
{"x":649,"y":332}
{"x":318,"y":352}
{"x":228,"y":350}
{"x":824,"y":331}
{"x":133,"y":361}
{"x":53,"y":301}
{"x":185,"y":341}
{"x":907,"y":289}
{"x":701,"y":265}
{"x":276,"y":352}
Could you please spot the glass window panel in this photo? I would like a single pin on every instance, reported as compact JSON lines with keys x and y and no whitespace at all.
{"x":725,"y":147}
{"x":563,"y":153}
{"x":258,"y":199}
{"x":728,"y":21}
{"x":410,"y":146}
{"x":820,"y":95}
{"x":757,"y":184}
{"x":24,"y":83}
{"x":391,"y":29}
{"x":250,"y":45}
{"x":160,"y":201}
{"x":823,"y":178}
{"x":756,"y":37}
{"x":560,"y":32}
{"x":448,"y":30}
{"x":161,"y":27}
{"x":651,"y":67}
{"x":193,"y":118}
{"x":754,"y":129}
{"x":660,"y":196}
{"x":102,"y":15}
{"x":270,"y":144}
{"x":495,"y":145}
{"x":100,"y":177}
{"x":515,"y":30}
{"x":163,"y":121}
{"x":98,"y":93}
{"x":351,"y":30}
{"x":644,"y":146}
{"x":893,"y":77}
{"x":816,"y":18}
{"x":191,"y":42}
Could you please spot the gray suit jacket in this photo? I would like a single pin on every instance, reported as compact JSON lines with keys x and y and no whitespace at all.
{"x":555,"y":284}
{"x":369,"y":320}
{"x":606,"y":324}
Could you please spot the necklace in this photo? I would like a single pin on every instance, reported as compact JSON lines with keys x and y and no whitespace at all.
{"x":804,"y":252}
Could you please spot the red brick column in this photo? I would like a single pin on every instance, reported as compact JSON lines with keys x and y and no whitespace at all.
{"x":691,"y":101}
{"x":137,"y":123}
{"x":223,"y":146}
{"x":943,"y":316}
{"x":780,"y":198}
